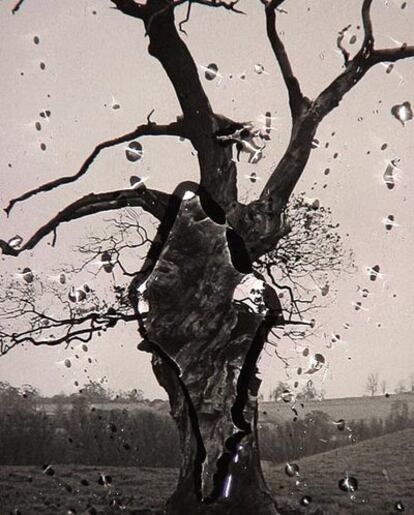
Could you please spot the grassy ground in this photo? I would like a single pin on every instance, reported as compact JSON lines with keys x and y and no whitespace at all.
{"x":384,"y":468}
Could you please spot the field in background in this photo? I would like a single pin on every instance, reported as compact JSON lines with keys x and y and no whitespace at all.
{"x":384,"y":468}
{"x":348,"y":408}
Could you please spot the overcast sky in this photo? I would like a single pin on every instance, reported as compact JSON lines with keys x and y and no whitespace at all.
{"x":93,"y":61}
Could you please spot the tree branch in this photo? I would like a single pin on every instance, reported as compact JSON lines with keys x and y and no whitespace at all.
{"x":391,"y":55}
{"x":285,"y":176}
{"x":97,"y":322}
{"x":153,"y":201}
{"x":217,"y":170}
{"x":356,"y":68}
{"x":148,"y":129}
{"x":130,"y":8}
{"x":17,"y":6}
{"x":296,"y":99}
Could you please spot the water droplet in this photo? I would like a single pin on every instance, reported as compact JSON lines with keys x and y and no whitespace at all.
{"x":134,"y":151}
{"x":316,"y":363}
{"x":292,"y":469}
{"x":388,"y":177}
{"x":106,"y":262}
{"x":259,"y":69}
{"x":16,"y":241}
{"x":27,"y":275}
{"x":389,"y":222}
{"x":325,"y":290}
{"x":348,"y":484}
{"x":136,"y":182}
{"x":374,"y":272}
{"x":402,"y":112}
{"x":340,"y":424}
{"x":36,"y":40}
{"x":211,"y":71}
{"x":76,"y":294}
{"x":48,"y":470}
{"x":286,"y":396}
{"x":306,"y":500}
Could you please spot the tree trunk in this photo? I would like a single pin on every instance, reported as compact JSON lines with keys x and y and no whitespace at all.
{"x":205,"y":350}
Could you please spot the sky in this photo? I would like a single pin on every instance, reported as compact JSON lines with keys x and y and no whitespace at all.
{"x":95,"y":58}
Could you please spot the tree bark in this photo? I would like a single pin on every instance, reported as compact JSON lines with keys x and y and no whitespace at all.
{"x":205,"y":350}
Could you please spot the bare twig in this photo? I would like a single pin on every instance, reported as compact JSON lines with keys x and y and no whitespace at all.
{"x":17,"y":6}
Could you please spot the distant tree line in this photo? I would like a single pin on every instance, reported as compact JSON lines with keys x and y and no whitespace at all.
{"x":83,"y":434}
{"x":86,"y":435}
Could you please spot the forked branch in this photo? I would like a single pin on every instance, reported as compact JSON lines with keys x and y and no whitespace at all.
{"x":290,"y":168}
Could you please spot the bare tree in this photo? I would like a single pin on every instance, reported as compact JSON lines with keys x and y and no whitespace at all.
{"x":204,"y":344}
{"x":372,"y":384}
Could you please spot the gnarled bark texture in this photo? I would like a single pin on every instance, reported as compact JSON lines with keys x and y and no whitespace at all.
{"x":204,"y":355}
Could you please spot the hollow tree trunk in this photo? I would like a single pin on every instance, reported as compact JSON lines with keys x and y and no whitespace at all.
{"x":205,"y":350}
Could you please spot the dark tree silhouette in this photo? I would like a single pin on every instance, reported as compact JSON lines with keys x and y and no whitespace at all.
{"x":205,"y":346}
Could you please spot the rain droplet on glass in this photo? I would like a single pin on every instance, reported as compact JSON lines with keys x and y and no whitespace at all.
{"x":292,"y":469}
{"x":28,"y":275}
{"x":388,"y":177}
{"x":402,"y":112}
{"x":374,"y":272}
{"x":348,"y":484}
{"x":134,"y":151}
{"x":211,"y":71}
{"x":259,"y":69}
{"x":389,"y":222}
{"x":306,"y":500}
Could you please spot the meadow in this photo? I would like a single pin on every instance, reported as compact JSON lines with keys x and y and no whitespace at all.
{"x":383,"y":467}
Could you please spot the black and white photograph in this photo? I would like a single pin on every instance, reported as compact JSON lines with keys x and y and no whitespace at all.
{"x":206,"y":242}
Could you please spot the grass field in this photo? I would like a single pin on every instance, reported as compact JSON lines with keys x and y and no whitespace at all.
{"x":384,"y":468}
